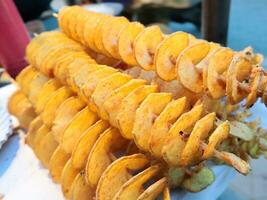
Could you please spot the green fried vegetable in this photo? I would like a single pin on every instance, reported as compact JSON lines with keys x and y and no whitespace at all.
{"x":199,"y":181}
{"x":175,"y":176}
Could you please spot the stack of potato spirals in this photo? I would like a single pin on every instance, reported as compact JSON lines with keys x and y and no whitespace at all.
{"x":87,"y":113}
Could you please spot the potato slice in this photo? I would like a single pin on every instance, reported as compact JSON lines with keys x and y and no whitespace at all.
{"x":110,"y":34}
{"x":68,"y":175}
{"x":40,"y":135}
{"x":62,"y":17}
{"x":220,"y":134}
{"x":129,"y":105}
{"x":187,"y":119}
{"x":105,"y":88}
{"x":32,"y":132}
{"x":200,"y":180}
{"x":14,"y":100}
{"x":217,"y":67}
{"x":187,"y":72}
{"x":166,"y":194}
{"x":57,"y":49}
{"x":168,"y":51}
{"x":77,"y":30}
{"x":163,"y":123}
{"x":118,"y":173}
{"x":57,"y":98}
{"x":21,"y":107}
{"x":26,"y":113}
{"x":86,"y":143}
{"x":64,"y":114}
{"x":61,"y":66}
{"x":43,"y":52}
{"x":23,"y":74}
{"x":57,"y":162}
{"x":44,"y":45}
{"x":174,"y":143}
{"x":66,"y":21}
{"x":101,"y":156}
{"x":54,"y":56}
{"x":98,"y":35}
{"x":80,"y":27}
{"x":145,"y":48}
{"x":76,"y":68}
{"x":126,"y":41}
{"x":80,"y":122}
{"x":79,"y":74}
{"x":80,"y":190}
{"x":237,"y":72}
{"x":154,"y":190}
{"x":113,"y":102}
{"x":91,"y":30}
{"x":32,"y":47}
{"x":72,"y":17}
{"x":252,"y":96}
{"x":44,"y":94}
{"x":35,"y":86}
{"x":200,"y":132}
{"x":145,"y":116}
{"x":231,"y":159}
{"x":47,"y":147}
{"x":93,"y":79}
{"x":26,"y":79}
{"x":203,"y":65}
{"x":133,"y":187}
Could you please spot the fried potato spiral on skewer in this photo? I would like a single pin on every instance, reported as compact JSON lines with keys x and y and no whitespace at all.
{"x":147,"y":109}
{"x":200,"y":66}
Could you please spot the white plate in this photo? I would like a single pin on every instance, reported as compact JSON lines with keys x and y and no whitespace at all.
{"x":5,"y":125}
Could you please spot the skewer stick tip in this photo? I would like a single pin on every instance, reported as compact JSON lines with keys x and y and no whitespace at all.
{"x":55,"y":15}
{"x":35,"y":34}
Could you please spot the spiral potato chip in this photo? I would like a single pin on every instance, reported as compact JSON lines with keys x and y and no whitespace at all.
{"x":148,"y":110}
{"x":79,"y":123}
{"x":145,"y":48}
{"x":57,"y":162}
{"x":133,"y":188}
{"x":86,"y":142}
{"x":126,"y":42}
{"x":117,"y":174}
{"x":59,"y":96}
{"x":80,"y":190}
{"x":64,"y":114}
{"x":110,"y":34}
{"x":167,"y":53}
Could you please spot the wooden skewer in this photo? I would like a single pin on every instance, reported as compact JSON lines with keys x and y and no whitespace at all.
{"x":35,"y":34}
{"x":55,"y":15}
